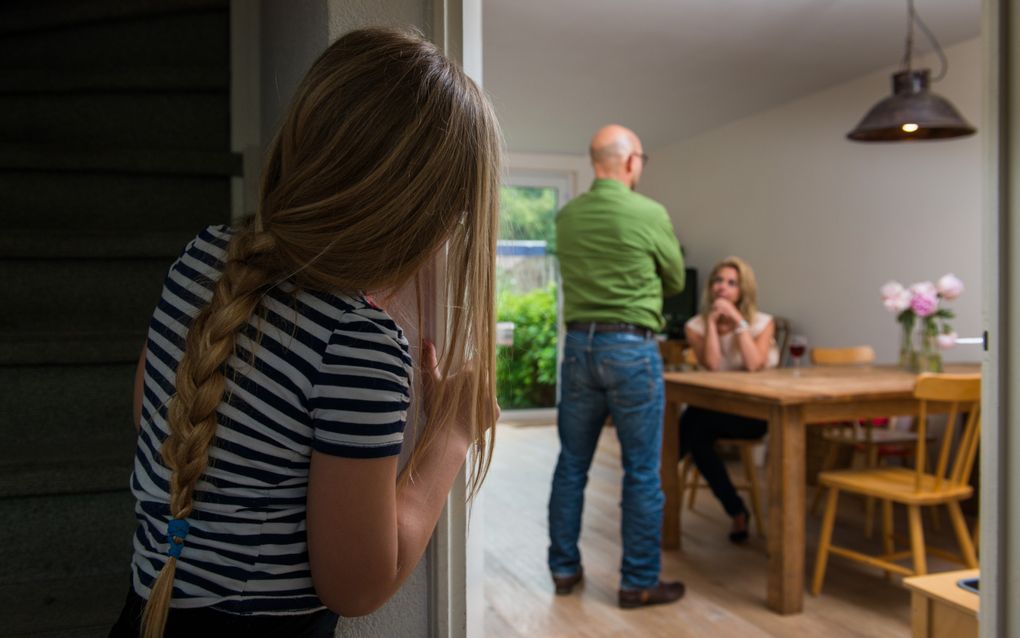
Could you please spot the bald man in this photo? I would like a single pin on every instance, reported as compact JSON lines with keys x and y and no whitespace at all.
{"x":618,"y":256}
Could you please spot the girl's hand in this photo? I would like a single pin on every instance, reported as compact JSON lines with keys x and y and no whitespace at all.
{"x":438,"y":388}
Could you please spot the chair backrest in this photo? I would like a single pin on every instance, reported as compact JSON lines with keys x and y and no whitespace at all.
{"x":782,"y":337}
{"x":963,"y":394}
{"x":842,"y":356}
{"x":690,"y":358}
{"x":672,"y":354}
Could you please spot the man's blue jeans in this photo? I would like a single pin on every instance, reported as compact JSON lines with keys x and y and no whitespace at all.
{"x":618,"y":374}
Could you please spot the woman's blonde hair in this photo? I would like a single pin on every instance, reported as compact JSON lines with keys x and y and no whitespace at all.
{"x":388,"y":153}
{"x":748,"y":303}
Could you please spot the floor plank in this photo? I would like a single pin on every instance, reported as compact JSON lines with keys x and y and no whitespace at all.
{"x":725,"y":584}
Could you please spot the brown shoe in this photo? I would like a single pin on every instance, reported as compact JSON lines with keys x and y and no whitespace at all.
{"x":565,"y":584}
{"x":661,"y":594}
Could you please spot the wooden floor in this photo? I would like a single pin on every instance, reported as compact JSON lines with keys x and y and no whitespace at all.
{"x":725,"y":583}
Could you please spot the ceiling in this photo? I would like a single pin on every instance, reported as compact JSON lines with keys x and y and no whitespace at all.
{"x":559,"y":69}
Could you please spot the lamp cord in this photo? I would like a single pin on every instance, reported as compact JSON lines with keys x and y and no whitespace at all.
{"x":907,"y":54}
{"x":912,"y":17}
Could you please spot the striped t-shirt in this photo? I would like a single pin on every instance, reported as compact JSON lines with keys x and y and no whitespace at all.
{"x":331,"y":373}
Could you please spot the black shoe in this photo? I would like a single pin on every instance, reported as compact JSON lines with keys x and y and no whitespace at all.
{"x":565,"y":584}
{"x":740,"y":537}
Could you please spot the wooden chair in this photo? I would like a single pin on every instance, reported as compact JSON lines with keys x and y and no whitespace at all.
{"x":672,"y":352}
{"x":782,"y":337}
{"x":690,"y":478}
{"x":947,"y":485}
{"x":863,"y":438}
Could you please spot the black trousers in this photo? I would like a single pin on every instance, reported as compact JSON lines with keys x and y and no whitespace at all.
{"x":699,"y":430}
{"x":194,"y":623}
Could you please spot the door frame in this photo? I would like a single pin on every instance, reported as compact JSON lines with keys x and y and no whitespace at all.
{"x":1000,"y":478}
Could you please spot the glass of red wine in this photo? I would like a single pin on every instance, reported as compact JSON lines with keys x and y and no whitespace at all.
{"x":798,"y":346}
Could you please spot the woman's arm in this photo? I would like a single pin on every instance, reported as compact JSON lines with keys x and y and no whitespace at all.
{"x":366,"y":534}
{"x":755,"y":349}
{"x":706,"y":346}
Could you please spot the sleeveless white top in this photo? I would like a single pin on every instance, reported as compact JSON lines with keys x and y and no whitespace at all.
{"x":731,"y":359}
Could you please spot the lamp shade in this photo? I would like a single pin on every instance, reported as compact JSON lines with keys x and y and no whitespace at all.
{"x":912,"y":112}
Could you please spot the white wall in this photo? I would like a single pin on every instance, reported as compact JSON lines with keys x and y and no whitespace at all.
{"x":825,"y":221}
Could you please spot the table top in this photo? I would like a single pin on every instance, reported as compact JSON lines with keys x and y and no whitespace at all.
{"x":943,"y":586}
{"x":782,"y":386}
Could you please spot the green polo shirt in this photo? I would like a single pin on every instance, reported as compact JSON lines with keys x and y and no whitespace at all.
{"x":618,"y":256}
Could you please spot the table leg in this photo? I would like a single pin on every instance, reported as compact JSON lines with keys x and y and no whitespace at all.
{"x":786,"y":510}
{"x":668,"y":474}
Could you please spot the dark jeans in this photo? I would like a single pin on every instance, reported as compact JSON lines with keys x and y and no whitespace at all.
{"x":194,"y":623}
{"x":699,"y":430}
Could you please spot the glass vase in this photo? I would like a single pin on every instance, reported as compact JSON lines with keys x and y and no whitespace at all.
{"x":908,"y":353}
{"x":929,"y":356}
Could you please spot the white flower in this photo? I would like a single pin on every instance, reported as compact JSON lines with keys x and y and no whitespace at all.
{"x":898,"y":302}
{"x":895,"y":297}
{"x":950,"y":286}
{"x":946,"y":341}
{"x":891,"y":289}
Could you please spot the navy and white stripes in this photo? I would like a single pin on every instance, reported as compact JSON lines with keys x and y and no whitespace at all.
{"x":330,"y":373}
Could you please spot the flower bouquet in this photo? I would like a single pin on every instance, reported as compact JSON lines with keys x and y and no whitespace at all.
{"x":925,"y":323}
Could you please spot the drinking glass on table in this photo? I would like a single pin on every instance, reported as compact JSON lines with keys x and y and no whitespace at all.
{"x":798,"y":346}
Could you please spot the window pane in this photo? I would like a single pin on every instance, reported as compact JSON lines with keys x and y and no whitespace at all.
{"x":526,"y":287}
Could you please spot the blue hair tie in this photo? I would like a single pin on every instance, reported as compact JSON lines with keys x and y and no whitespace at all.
{"x":176,"y":531}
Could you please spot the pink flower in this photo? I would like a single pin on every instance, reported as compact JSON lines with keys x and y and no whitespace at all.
{"x":895,"y":297}
{"x":950,"y":286}
{"x":946,"y":341}
{"x":923,"y":298}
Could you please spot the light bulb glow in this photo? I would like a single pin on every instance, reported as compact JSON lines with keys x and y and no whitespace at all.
{"x":909,"y":127}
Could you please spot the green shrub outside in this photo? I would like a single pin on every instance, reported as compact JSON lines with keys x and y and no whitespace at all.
{"x":526,"y":372}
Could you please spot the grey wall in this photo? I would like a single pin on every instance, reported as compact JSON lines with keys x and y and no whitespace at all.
{"x":824,"y":221}
{"x":346,"y":15}
{"x":294,"y":33}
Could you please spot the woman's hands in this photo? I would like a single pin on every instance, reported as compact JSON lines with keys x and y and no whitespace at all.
{"x":723,"y":310}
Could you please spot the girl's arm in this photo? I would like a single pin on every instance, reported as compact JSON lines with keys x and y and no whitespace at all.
{"x":366,"y":534}
{"x":136,"y":402}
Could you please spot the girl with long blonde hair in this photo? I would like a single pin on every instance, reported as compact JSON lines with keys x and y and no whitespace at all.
{"x":274,"y":390}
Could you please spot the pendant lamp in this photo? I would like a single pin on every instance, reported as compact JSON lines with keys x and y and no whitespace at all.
{"x":912,"y":112}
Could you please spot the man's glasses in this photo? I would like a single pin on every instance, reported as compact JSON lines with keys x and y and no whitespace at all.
{"x":643,"y":156}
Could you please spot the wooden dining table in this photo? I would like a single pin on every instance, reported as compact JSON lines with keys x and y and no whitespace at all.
{"x":789,"y":400}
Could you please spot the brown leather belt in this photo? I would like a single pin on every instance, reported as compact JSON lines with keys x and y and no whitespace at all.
{"x":596,"y":326}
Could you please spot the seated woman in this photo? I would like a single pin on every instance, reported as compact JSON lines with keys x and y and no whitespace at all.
{"x":729,"y":334}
